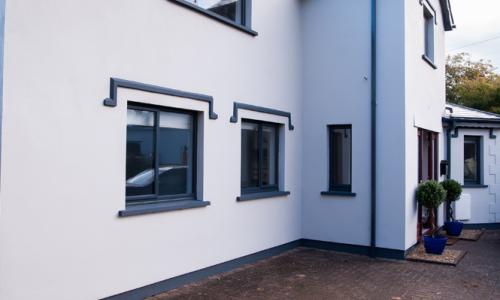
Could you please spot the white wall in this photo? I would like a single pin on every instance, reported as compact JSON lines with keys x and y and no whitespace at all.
{"x":63,"y":158}
{"x":336,"y":60}
{"x":485,"y":202}
{"x":425,"y":101}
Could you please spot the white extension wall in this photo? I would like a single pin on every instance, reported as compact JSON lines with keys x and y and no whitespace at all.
{"x":485,"y":201}
{"x":63,"y":152}
{"x":425,"y":101}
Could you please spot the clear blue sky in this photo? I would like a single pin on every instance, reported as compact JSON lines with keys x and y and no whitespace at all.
{"x":478,"y":30}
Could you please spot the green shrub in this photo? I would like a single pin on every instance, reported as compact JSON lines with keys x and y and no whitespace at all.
{"x":430,"y":194}
{"x":453,"y":190}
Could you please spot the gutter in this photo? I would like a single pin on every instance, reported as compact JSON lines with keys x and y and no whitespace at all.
{"x":373,"y":167}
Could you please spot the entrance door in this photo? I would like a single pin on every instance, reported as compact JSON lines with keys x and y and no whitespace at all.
{"x":427,"y":170}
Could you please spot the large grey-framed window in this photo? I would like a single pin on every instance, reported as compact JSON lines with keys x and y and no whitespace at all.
{"x":259,"y":157}
{"x":472,"y":160}
{"x":161,"y":154}
{"x":237,"y":13}
{"x":429,"y":22}
{"x":340,"y":144}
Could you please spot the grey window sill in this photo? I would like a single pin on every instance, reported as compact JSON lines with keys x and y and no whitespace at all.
{"x":338,"y":193}
{"x":429,"y":61}
{"x":474,"y":186}
{"x":142,"y":209}
{"x":264,"y":195}
{"x":215,"y":16}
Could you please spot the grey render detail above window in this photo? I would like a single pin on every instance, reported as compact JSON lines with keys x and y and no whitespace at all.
{"x":340,"y":159}
{"x":237,"y":106}
{"x":235,"y":13}
{"x":429,"y":23}
{"x":116,"y":83}
{"x":161,"y":155}
{"x":472,"y":160}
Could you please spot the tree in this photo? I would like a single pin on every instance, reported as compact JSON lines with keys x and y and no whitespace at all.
{"x":472,"y":83}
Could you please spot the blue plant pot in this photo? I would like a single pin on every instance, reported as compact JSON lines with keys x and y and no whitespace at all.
{"x":435,"y":245}
{"x":454,"y":228}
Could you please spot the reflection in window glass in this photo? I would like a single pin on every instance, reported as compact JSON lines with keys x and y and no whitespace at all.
{"x":429,"y":34}
{"x":340,"y":158}
{"x":259,"y":157}
{"x":249,"y":155}
{"x":471,"y":160}
{"x":160,"y":154}
{"x":230,"y":9}
{"x":269,"y":155}
{"x":175,"y":152}
{"x":140,"y":152}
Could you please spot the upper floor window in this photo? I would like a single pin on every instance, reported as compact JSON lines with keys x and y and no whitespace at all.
{"x":236,"y":13}
{"x":472,"y":160}
{"x":160,"y":162}
{"x":340,"y":157}
{"x":429,"y":22}
{"x":259,"y":156}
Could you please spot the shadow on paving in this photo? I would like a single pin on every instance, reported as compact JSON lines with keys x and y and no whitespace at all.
{"x":315,"y":274}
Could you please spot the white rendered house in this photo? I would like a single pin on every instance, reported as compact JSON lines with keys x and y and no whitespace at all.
{"x":474,"y":156}
{"x":147,"y":144}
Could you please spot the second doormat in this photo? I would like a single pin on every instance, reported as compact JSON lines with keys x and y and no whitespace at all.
{"x":449,"y":257}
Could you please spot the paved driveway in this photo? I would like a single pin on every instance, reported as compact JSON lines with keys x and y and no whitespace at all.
{"x":315,"y":274}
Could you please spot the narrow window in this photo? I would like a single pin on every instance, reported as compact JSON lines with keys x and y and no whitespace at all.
{"x":161,"y":151}
{"x":233,"y":10}
{"x":340,"y":157}
{"x":472,"y":160}
{"x":259,"y":156}
{"x":429,"y":34}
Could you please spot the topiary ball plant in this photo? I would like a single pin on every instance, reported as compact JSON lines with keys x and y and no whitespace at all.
{"x":431,"y":194}
{"x":453,"y":192}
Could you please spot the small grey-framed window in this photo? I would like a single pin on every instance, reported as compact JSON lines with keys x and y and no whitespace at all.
{"x":429,"y":23}
{"x":161,"y":154}
{"x":340,"y":156}
{"x":259,"y":156}
{"x":237,"y":13}
{"x":472,"y":160}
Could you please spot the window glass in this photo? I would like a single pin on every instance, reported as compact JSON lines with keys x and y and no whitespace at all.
{"x":249,"y":155}
{"x":471,"y":160}
{"x":269,"y":159}
{"x":259,"y":156}
{"x":140,"y":153}
{"x":340,"y":158}
{"x":160,"y":155}
{"x":175,"y":150}
{"x":429,"y":34}
{"x":230,"y":9}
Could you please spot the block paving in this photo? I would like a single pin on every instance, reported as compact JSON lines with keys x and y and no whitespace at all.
{"x":316,"y":274}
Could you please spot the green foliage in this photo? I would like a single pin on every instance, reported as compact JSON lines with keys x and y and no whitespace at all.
{"x":430,"y":194}
{"x":472,"y":83}
{"x":453,"y":190}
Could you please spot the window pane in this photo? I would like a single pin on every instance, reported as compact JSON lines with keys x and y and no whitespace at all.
{"x":230,"y":9}
{"x":140,"y":153}
{"x":340,"y":156}
{"x":471,"y":160}
{"x":269,"y":158}
{"x":175,"y":151}
{"x":249,"y":155}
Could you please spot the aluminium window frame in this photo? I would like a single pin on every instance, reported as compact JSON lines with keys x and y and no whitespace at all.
{"x":245,"y":20}
{"x":347,"y":188}
{"x":429,"y":14}
{"x":261,"y":188}
{"x":156,"y":198}
{"x":477,"y":140}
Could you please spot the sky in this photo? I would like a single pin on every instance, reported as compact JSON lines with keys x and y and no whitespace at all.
{"x":478,"y":30}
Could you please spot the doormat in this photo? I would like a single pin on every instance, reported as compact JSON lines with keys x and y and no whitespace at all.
{"x":471,"y":234}
{"x":449,"y":257}
{"x":452,"y":241}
